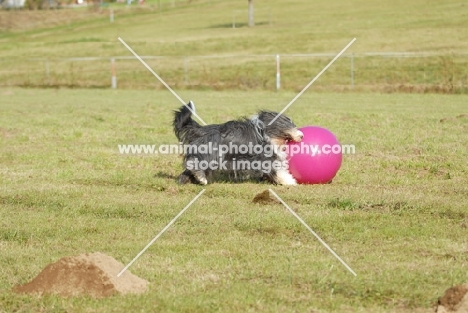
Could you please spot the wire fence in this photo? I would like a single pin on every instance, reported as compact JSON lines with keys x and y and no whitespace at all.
{"x":391,"y":71}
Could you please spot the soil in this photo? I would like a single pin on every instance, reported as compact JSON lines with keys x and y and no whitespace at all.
{"x":455,"y":299}
{"x":265,"y":198}
{"x":93,"y":274}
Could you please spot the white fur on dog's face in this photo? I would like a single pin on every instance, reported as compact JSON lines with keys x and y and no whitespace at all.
{"x":296,"y":135}
{"x":292,"y":134}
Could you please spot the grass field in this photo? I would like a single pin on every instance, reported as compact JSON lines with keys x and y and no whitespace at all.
{"x":396,"y":212}
{"x":34,"y":45}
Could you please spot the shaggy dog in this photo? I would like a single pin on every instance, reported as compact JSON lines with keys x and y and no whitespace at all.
{"x":236,"y":150}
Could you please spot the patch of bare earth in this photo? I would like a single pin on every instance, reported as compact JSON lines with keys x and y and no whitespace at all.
{"x":455,"y":300}
{"x":93,"y":275}
{"x":265,"y":198}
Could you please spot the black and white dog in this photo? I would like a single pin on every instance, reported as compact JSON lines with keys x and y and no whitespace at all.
{"x":236,"y":150}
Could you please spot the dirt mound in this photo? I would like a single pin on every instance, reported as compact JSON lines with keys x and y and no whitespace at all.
{"x":454,"y":300}
{"x":86,"y":274}
{"x":265,"y":198}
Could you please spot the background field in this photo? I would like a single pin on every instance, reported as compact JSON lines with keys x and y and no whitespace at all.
{"x":36,"y":46}
{"x":396,"y":212}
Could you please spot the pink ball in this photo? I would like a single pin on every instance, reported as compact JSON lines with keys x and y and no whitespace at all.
{"x":318,"y":163}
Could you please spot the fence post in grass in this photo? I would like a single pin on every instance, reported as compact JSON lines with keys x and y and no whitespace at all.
{"x":72,"y":75}
{"x":111,"y":15}
{"x":233,"y":19}
{"x":114,"y":77}
{"x":269,"y":17}
{"x":278,"y":77}
{"x":185,"y":71}
{"x":352,"y":70}
{"x":47,"y":70}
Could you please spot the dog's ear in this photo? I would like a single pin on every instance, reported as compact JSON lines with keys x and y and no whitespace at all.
{"x":192,"y":105}
{"x":259,"y":127}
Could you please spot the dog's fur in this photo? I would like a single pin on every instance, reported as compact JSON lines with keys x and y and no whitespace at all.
{"x":239,"y":132}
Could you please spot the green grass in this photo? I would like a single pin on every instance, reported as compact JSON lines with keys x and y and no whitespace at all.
{"x":396,"y":212}
{"x":205,"y":28}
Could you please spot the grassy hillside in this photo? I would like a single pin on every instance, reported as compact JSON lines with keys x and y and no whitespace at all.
{"x":205,"y":28}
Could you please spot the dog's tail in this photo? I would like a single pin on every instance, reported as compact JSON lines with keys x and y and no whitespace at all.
{"x":183,"y":121}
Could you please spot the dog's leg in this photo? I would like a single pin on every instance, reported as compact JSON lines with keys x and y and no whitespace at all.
{"x":193,"y":177}
{"x":192,"y":173}
{"x":283,"y":177}
{"x":200,"y":177}
{"x":186,"y":178}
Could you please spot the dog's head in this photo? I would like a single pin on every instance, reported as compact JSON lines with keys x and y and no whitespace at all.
{"x":281,"y":130}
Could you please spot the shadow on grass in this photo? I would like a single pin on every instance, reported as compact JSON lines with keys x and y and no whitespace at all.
{"x":165,"y":175}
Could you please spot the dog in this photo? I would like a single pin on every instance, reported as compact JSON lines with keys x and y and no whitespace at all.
{"x":243,"y":149}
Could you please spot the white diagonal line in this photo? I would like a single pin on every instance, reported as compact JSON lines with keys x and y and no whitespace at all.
{"x":313,"y":233}
{"x":160,"y":79}
{"x":313,"y":80}
{"x":160,"y":233}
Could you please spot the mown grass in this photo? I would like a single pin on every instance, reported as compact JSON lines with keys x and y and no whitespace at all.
{"x":205,"y":28}
{"x":396,"y":212}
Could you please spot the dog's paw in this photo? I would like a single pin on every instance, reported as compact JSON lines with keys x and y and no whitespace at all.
{"x":285,"y":178}
{"x":201,"y":178}
{"x":187,"y":177}
{"x":291,"y":182}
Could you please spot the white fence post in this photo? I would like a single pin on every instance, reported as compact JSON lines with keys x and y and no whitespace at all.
{"x":278,"y":76}
{"x":47,"y":70}
{"x":269,"y":17}
{"x":114,"y":77}
{"x":352,"y":70}
{"x":185,"y":71}
{"x":111,"y":15}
